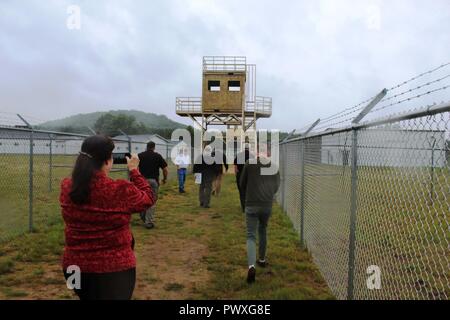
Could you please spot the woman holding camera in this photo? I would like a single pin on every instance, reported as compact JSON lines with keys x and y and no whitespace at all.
{"x":97,"y":212}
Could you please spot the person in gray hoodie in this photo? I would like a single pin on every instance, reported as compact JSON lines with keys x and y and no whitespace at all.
{"x":260,"y":190}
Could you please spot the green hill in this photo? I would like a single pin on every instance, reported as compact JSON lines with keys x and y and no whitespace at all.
{"x":85,"y":120}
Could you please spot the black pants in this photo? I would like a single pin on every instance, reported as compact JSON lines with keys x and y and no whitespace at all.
{"x":205,"y":189}
{"x":106,"y":286}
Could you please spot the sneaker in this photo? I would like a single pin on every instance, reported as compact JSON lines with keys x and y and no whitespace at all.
{"x":262,"y":263}
{"x":149,"y":225}
{"x":251,"y":275}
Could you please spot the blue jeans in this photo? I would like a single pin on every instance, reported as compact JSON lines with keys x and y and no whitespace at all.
{"x":181,"y":178}
{"x":257,"y":219}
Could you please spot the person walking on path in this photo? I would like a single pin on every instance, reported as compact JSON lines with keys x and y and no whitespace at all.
{"x":208,"y":173}
{"x":239,"y":163}
{"x":221,"y":168}
{"x":150,"y":164}
{"x":97,"y":213}
{"x":182,"y":161}
{"x":259,"y":191}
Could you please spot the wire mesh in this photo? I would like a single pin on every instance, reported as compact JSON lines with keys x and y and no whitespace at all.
{"x":401,"y":190}
{"x":403,"y":209}
{"x":327,"y":207}
{"x":14,"y":182}
{"x":32,"y":165}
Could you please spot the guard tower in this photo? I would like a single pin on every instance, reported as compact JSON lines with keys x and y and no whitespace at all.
{"x":228,"y":95}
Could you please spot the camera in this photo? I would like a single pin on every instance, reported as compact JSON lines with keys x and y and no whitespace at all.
{"x":121,"y":158}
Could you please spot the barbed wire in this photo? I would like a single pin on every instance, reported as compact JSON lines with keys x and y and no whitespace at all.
{"x":9,"y":118}
{"x":416,"y":88}
{"x":328,"y":121}
{"x":348,"y":109}
{"x":328,"y":126}
{"x":410,"y":98}
{"x":341,"y":116}
{"x":355,"y":107}
{"x":13,"y":117}
{"x":418,"y":76}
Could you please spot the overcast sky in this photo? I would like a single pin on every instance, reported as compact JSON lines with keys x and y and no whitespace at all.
{"x":314,"y":58}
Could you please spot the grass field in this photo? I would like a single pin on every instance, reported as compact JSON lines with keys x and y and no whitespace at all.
{"x":193,"y":253}
{"x":400,"y":227}
{"x":14,"y":193}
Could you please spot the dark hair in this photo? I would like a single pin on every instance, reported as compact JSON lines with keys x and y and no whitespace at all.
{"x":151,"y":145}
{"x":95,"y":151}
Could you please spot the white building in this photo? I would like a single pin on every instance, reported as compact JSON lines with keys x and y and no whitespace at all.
{"x":18,"y":142}
{"x":139,"y":144}
{"x":387,"y":147}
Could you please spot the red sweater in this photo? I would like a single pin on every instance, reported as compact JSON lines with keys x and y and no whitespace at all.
{"x":98,"y":236}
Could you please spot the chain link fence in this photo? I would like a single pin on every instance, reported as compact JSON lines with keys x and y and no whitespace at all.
{"x":374,"y":200}
{"x":32,"y":165}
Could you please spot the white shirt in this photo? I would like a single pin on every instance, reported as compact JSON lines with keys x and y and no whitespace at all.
{"x":182,"y":161}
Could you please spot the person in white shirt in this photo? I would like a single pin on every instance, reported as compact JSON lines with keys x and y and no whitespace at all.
{"x":182,"y":161}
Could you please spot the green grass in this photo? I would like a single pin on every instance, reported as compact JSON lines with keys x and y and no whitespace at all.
{"x":193,"y":253}
{"x":6,"y":266}
{"x":399,"y":227}
{"x":14,"y":191}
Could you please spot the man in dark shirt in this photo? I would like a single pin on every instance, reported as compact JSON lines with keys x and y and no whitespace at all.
{"x":150,"y":164}
{"x":259,"y":191}
{"x":239,"y":163}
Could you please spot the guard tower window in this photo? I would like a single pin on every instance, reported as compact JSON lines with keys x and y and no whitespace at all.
{"x":234,"y":86}
{"x":214,"y":85}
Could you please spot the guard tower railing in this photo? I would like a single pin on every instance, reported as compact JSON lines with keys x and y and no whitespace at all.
{"x":188,"y":105}
{"x":261,"y":106}
{"x":224,"y":63}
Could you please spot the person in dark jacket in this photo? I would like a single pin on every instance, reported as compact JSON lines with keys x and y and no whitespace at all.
{"x":150,"y":164}
{"x":97,"y":212}
{"x":260,"y":191}
{"x":239,"y":163}
{"x":221,"y":168}
{"x":208,"y":173}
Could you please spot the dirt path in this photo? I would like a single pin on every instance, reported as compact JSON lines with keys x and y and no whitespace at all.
{"x":193,"y":253}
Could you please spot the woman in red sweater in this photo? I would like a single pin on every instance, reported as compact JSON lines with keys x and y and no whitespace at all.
{"x":97,"y":211}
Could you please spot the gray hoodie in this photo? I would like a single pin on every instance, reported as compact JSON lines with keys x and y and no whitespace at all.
{"x":259,"y":189}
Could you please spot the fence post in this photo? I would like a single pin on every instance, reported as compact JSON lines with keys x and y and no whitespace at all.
{"x":302,"y":181}
{"x":129,"y":146}
{"x":432,"y":172}
{"x":50,"y":165}
{"x":354,"y":191}
{"x":353,"y":203}
{"x":30,"y":174}
{"x":30,"y":213}
{"x":302,"y":194}
{"x":283,"y":199}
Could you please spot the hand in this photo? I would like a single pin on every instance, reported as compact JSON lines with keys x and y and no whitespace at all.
{"x":133,"y":162}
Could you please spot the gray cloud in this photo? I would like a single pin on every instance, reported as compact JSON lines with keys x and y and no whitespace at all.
{"x":313,"y":57}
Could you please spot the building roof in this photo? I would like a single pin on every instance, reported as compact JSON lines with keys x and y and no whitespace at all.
{"x":141,"y":137}
{"x":21,"y":133}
